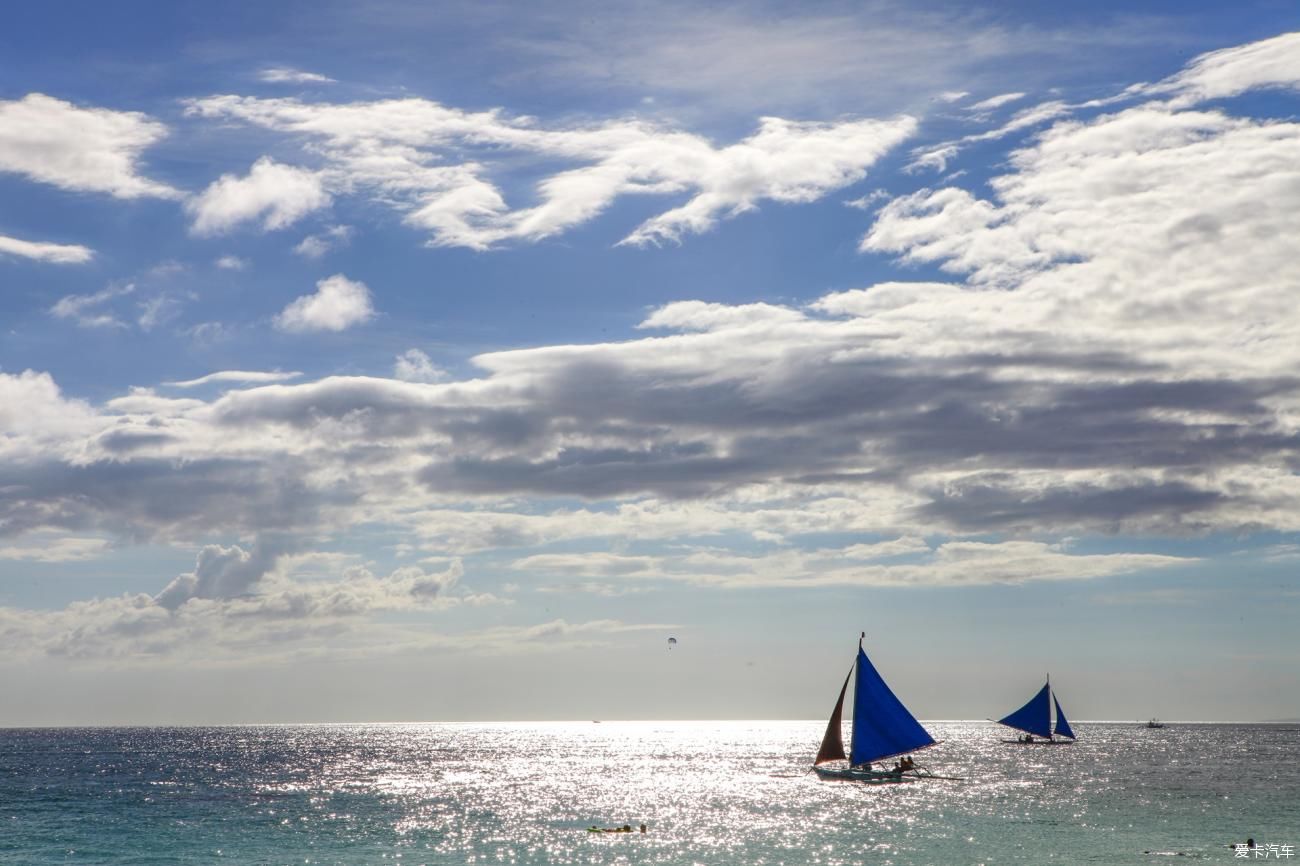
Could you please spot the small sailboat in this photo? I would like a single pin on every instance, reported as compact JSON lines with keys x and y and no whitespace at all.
{"x":882,"y":728}
{"x":1035,"y":719}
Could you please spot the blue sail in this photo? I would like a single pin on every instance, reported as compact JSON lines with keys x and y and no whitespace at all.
{"x":1034,"y":717}
{"x":882,"y":726}
{"x":1062,"y":726}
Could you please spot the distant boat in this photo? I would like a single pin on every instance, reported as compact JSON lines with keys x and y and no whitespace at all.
{"x":1155,"y":723}
{"x":1035,"y":719}
{"x":882,"y":728}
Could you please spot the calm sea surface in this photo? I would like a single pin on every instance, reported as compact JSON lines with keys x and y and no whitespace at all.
{"x":710,"y":793}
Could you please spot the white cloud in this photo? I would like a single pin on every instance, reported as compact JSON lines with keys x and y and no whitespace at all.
{"x":208,"y":333}
{"x":83,"y":309}
{"x":1130,"y":227}
{"x":317,"y":245}
{"x":289,"y":75}
{"x":36,"y":421}
{"x":219,"y":573}
{"x":96,"y":310}
{"x":231,"y":263}
{"x":891,"y":299}
{"x":234,"y":600}
{"x":245,"y":376}
{"x":84,"y":149}
{"x":954,"y":563}
{"x":338,"y":304}
{"x":995,"y":102}
{"x":398,"y":151}
{"x":934,"y":158}
{"x":61,"y":254}
{"x":157,"y":310}
{"x":415,"y":366}
{"x":1104,"y":359}
{"x":937,"y":157}
{"x":312,"y":247}
{"x":44,"y":547}
{"x":868,"y":201}
{"x":1232,"y":71}
{"x":333,"y":619}
{"x":1269,"y":63}
{"x":700,"y":316}
{"x":1053,"y":403}
{"x":278,"y":194}
{"x":784,"y":162}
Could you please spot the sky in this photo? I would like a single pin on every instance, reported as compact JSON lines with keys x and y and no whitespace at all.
{"x":392,"y":361}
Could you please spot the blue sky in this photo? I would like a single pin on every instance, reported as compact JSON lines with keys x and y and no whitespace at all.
{"x":386,"y":361}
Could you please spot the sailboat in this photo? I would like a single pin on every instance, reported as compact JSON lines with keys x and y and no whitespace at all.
{"x":882,"y":728}
{"x":1035,"y":719}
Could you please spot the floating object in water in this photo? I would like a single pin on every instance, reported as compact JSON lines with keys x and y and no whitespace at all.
{"x":672,"y":642}
{"x":626,"y":828}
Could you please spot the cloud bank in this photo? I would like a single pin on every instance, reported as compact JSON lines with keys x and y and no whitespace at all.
{"x":1111,"y":363}
{"x":1112,"y":351}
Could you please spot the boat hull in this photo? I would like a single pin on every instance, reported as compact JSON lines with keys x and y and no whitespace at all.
{"x":869,"y":777}
{"x":1040,"y":743}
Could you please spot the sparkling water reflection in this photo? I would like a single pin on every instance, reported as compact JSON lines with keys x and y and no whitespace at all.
{"x":710,"y":793}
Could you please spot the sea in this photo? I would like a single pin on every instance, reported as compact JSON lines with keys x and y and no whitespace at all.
{"x":714,"y":793}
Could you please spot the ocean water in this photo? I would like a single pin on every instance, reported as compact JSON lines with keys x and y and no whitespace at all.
{"x":709,"y":792}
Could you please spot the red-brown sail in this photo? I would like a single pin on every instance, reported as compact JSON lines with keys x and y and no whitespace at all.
{"x":833,"y":743}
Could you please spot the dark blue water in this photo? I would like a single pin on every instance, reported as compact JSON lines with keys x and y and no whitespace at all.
{"x":710,"y":793}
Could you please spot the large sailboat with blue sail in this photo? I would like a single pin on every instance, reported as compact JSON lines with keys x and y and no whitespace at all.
{"x":1036,"y":720}
{"x":882,"y":729}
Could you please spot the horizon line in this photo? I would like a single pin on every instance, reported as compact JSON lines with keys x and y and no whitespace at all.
{"x":340,"y":724}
